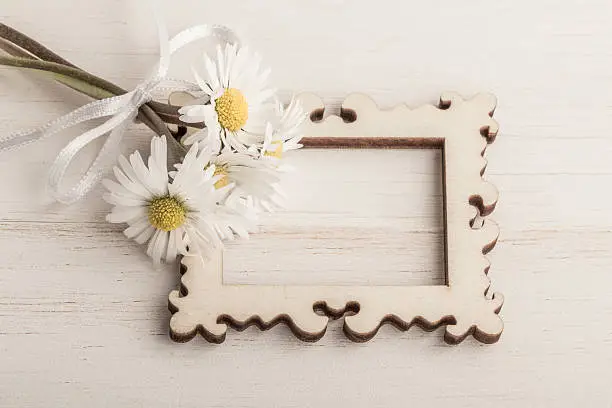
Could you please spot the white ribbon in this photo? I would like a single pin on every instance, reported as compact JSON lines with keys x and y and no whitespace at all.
{"x":123,"y":110}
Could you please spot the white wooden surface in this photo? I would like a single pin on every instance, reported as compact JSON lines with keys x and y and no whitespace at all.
{"x":83,"y":318}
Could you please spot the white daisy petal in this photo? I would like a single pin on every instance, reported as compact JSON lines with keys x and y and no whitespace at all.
{"x":160,"y":154}
{"x":126,"y":167}
{"x":193,"y":113}
{"x":161,"y":247}
{"x":213,"y":78}
{"x":119,"y":190}
{"x":145,"y":235}
{"x":208,"y":232}
{"x":192,"y":244}
{"x":230,"y":56}
{"x":153,"y":244}
{"x":137,"y":228}
{"x":148,"y":180}
{"x":238,"y":89}
{"x":169,"y":216}
{"x":254,"y":179}
{"x":130,"y":185}
{"x":195,"y":137}
{"x":180,"y":239}
{"x":171,"y":251}
{"x":115,"y":199}
{"x":125,"y":214}
{"x":221,"y":67}
{"x":209,"y":137}
{"x":201,"y":82}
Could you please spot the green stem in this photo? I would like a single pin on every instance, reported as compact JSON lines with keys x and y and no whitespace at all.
{"x":32,"y":46}
{"x":25,"y":52}
{"x":83,"y":87}
{"x":78,"y":80}
{"x":14,"y":50}
{"x":169,"y":114}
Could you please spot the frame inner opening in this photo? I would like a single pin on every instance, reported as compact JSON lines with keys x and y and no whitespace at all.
{"x":353,"y":216}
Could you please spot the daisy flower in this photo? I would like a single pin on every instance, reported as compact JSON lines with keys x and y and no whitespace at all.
{"x":284,"y":132}
{"x":254,"y":179}
{"x":172,"y":217}
{"x":236,"y":90}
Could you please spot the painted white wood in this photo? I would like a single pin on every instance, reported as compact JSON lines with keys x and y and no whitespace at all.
{"x":83,"y":318}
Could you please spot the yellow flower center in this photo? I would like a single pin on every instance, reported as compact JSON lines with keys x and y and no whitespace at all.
{"x":232,"y":109}
{"x":224,"y":180}
{"x":167,"y":213}
{"x":278,"y":152}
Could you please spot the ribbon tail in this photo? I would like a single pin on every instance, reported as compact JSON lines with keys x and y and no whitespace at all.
{"x":123,"y":110}
{"x":105,"y":158}
{"x":93,"y":110}
{"x":221,"y":33}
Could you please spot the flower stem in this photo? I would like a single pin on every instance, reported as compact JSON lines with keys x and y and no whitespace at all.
{"x":22,"y":46}
{"x":74,"y":78}
{"x":32,"y":46}
{"x":169,"y":114}
{"x":28,"y":53}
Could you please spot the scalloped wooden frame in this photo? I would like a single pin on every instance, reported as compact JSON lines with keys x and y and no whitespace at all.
{"x":462,"y":129}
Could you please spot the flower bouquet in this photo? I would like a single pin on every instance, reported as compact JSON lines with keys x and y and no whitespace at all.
{"x":228,"y":167}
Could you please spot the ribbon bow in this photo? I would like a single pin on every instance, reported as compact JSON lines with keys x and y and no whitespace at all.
{"x":122,"y":110}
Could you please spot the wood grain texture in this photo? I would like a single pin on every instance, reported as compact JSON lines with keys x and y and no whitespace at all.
{"x":84,"y":316}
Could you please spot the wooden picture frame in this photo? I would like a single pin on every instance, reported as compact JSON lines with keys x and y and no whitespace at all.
{"x":462,"y":129}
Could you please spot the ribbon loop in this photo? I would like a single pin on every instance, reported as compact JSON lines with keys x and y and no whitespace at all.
{"x":141,"y":96}
{"x":121,"y":109}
